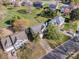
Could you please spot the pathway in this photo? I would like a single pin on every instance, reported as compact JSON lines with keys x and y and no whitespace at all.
{"x":45,"y":45}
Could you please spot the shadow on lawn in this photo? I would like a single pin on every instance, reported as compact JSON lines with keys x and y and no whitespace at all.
{"x":22,"y":11}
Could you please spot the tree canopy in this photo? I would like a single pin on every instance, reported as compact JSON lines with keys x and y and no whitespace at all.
{"x":53,"y":33}
{"x":74,"y":14}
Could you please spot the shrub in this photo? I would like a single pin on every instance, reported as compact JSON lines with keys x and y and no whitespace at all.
{"x":74,"y":14}
{"x":66,"y":1}
{"x":48,"y":13}
{"x":23,"y":11}
{"x":20,"y":24}
{"x":53,"y":33}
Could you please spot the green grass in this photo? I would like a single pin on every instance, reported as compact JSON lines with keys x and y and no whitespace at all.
{"x":54,"y":43}
{"x":12,"y":12}
{"x":72,"y":26}
{"x":67,"y":26}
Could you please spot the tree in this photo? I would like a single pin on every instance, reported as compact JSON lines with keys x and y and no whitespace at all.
{"x":5,"y":32}
{"x":48,"y":13}
{"x":66,"y":1}
{"x":74,"y":14}
{"x":53,"y":33}
{"x":75,"y":1}
{"x":20,"y":24}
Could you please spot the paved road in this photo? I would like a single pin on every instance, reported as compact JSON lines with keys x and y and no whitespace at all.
{"x":64,"y":50}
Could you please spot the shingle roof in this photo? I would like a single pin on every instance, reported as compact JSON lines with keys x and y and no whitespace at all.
{"x":37,"y":28}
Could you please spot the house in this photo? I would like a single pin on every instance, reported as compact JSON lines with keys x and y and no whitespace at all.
{"x":58,"y":20}
{"x":37,"y":28}
{"x":13,"y":42}
{"x":52,"y":7}
{"x":25,"y":3}
{"x":37,"y":4}
{"x":65,"y":9}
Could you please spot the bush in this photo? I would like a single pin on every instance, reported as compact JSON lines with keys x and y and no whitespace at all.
{"x":74,"y":14}
{"x":23,"y":11}
{"x":53,"y":33}
{"x":20,"y":24}
{"x":48,"y":13}
{"x":66,"y":1}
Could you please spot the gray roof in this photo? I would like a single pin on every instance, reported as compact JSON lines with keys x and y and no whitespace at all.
{"x":37,"y":28}
{"x":14,"y":41}
{"x":6,"y":42}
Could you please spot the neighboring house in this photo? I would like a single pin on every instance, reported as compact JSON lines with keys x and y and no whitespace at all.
{"x":13,"y":2}
{"x":37,"y":4}
{"x":65,"y":9}
{"x":14,"y":41}
{"x":58,"y":20}
{"x":52,"y":7}
{"x":25,"y":3}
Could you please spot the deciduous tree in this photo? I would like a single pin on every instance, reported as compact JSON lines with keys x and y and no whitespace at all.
{"x":53,"y":33}
{"x":21,"y":24}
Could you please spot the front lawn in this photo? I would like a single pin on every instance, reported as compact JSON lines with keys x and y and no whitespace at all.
{"x":72,"y":26}
{"x":13,"y":14}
